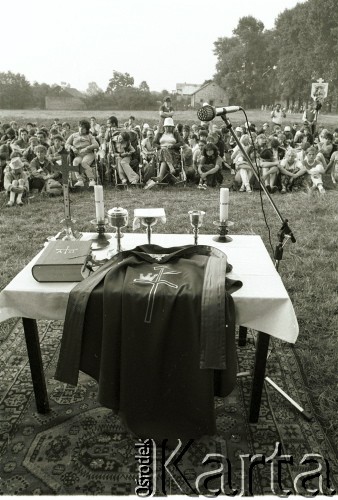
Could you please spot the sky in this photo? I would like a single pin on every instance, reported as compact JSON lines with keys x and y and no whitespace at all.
{"x":160,"y":42}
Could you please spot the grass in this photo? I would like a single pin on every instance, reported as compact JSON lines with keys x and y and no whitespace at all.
{"x":151,"y":117}
{"x":308,"y":268}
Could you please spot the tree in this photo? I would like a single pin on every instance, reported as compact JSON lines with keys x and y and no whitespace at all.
{"x":308,"y":37}
{"x":241,"y":61}
{"x":259,"y":67}
{"x":119,"y":80}
{"x":93,"y":89}
{"x":15,"y":91}
{"x":39,"y":93}
{"x":144,"y":87}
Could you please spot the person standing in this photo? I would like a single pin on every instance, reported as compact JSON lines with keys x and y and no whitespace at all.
{"x":277,"y":115}
{"x":166,"y":111}
{"x":309,"y":118}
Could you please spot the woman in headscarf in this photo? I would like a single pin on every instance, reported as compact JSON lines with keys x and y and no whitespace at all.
{"x":170,"y":143}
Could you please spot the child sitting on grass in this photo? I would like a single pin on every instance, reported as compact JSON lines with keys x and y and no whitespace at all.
{"x":15,"y":182}
{"x":314,"y":169}
{"x":292,"y":171}
{"x":41,"y":169}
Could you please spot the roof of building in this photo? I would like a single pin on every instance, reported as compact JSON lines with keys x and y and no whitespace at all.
{"x":61,"y":91}
{"x":206,"y":85}
{"x":187,"y":88}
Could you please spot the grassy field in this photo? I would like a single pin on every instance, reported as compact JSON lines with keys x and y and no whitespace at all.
{"x":45,"y":117}
{"x":308,"y":268}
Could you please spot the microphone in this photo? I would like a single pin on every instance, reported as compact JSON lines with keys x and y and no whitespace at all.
{"x":207,"y":113}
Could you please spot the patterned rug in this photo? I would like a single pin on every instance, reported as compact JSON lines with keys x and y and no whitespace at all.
{"x":80,"y":448}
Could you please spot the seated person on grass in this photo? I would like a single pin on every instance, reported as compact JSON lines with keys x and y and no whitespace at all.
{"x":325,"y":149}
{"x":210,"y":166}
{"x":187,"y":163}
{"x":56,"y":150}
{"x":170,"y":142}
{"x":42,"y":135}
{"x":66,"y":131}
{"x":148,"y":154}
{"x":314,"y":170}
{"x":29,"y":153}
{"x":243,"y":169}
{"x":292,"y":172}
{"x":270,"y":158}
{"x":15,"y":182}
{"x":40,"y":169}
{"x":333,"y":167}
{"x":22,"y":143}
{"x":3,"y":164}
{"x":8,"y":138}
{"x":123,"y":152}
{"x":82,"y":145}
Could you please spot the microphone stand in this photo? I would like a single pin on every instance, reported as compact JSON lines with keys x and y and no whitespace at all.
{"x":284,"y":235}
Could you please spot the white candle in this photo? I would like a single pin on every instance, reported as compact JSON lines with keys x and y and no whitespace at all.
{"x":99,"y":204}
{"x":224,"y":204}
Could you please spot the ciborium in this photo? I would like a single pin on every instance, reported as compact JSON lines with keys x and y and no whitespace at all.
{"x":118,"y":219}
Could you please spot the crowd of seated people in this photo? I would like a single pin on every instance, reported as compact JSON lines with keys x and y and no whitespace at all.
{"x":288,"y":158}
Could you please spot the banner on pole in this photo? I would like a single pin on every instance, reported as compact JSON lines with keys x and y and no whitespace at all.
{"x":319,"y":90}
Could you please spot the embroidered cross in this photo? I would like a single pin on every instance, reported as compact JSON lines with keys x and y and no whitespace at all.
{"x":66,"y":250}
{"x":154,"y":280}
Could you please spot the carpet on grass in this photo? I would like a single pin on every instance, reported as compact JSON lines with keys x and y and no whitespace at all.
{"x":81,"y":448}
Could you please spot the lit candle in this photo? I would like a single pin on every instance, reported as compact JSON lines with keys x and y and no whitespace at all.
{"x":99,"y":204}
{"x":224,"y":204}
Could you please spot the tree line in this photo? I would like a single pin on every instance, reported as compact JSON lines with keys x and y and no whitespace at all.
{"x":255,"y":66}
{"x":16,"y":92}
{"x":260,"y":67}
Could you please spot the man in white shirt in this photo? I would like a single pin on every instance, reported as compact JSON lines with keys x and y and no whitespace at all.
{"x":277,"y":115}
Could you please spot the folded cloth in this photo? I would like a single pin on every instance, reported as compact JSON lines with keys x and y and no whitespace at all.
{"x":142,"y":213}
{"x":144,"y":337}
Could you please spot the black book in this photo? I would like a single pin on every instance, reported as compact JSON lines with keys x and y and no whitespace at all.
{"x":63,"y":261}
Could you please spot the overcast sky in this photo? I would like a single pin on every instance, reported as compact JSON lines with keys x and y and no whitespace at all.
{"x":163,"y":43}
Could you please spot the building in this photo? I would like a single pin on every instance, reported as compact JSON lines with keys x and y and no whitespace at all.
{"x":186,"y":89}
{"x":210,"y":93}
{"x":66,"y":98}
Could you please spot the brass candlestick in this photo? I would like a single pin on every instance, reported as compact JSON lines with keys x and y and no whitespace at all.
{"x":196,"y":220}
{"x":118,"y":218}
{"x":68,"y":232}
{"x":223,"y":230}
{"x":101,"y":240}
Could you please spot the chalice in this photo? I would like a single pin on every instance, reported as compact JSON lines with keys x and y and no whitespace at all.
{"x":196,"y":220}
{"x":148,"y":217}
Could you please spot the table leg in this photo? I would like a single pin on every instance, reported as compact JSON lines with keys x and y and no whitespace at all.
{"x":242,"y":334}
{"x":259,"y":375}
{"x":35,"y":363}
